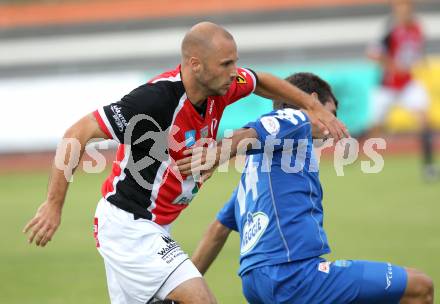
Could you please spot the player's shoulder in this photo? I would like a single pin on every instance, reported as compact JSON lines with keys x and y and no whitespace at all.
{"x":167,"y":76}
{"x":146,"y":94}
{"x":164,"y":90}
{"x":167,"y":84}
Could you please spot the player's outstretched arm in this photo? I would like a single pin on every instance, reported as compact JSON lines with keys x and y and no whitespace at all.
{"x":48,"y":217}
{"x":210,"y":246}
{"x":272,"y":87}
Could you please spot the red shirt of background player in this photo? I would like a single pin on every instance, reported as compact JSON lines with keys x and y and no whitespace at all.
{"x":404,"y":45}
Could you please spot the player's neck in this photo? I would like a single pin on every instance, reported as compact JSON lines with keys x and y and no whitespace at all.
{"x":194,"y":92}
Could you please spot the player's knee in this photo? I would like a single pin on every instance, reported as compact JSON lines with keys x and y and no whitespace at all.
{"x":207,"y":297}
{"x":194,"y":291}
{"x":423,"y":288}
{"x":203,"y":295}
{"x":427,"y":292}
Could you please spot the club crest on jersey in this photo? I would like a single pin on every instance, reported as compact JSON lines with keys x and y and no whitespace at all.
{"x":253,"y":229}
{"x":240,"y":79}
{"x":190,"y":138}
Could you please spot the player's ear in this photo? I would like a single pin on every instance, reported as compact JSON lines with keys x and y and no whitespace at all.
{"x":195,"y":64}
{"x":315,"y":95}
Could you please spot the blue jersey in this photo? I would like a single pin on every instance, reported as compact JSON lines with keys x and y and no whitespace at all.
{"x":277,"y":207}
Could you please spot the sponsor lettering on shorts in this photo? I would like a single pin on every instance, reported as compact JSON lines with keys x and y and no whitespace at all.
{"x":389,"y":275}
{"x":171,"y":250}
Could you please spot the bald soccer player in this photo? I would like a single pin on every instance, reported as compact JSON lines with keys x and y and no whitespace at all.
{"x":153,"y":125}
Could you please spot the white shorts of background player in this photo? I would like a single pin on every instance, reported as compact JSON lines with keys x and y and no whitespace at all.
{"x":412,"y":97}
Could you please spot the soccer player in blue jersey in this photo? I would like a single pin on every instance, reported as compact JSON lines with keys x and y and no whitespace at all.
{"x":277,"y":209}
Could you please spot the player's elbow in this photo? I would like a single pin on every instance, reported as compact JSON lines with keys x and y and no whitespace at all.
{"x":219,"y":231}
{"x":83,"y":130}
{"x":72,"y":132}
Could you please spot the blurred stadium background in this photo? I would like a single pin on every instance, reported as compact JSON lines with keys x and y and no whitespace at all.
{"x":62,"y":59}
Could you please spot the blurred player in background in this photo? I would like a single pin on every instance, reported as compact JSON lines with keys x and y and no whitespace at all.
{"x":142,"y":197}
{"x":277,"y":209}
{"x":401,"y":47}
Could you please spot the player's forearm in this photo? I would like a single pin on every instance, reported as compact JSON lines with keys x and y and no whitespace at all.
{"x":241,"y":141}
{"x":274,"y":88}
{"x":68,"y":154}
{"x":210,"y":246}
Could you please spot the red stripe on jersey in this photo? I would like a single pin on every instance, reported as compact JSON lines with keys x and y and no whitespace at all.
{"x":102,"y":124}
{"x":107,"y":186}
{"x":165,"y":211}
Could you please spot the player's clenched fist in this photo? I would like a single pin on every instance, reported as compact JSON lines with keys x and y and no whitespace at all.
{"x":44,"y":224}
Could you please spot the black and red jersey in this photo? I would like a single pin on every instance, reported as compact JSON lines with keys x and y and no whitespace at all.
{"x":154,"y":124}
{"x":404,"y":44}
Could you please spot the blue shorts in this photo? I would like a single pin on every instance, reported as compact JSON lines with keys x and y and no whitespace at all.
{"x":318,"y":281}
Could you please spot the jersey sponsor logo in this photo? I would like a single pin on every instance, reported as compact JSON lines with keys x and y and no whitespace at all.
{"x":270,"y":124}
{"x":171,"y":250}
{"x":190,"y":138}
{"x":119,"y":119}
{"x":189,"y":190}
{"x":253,"y":229}
{"x":324,"y":267}
{"x":240,"y":79}
{"x":389,"y":275}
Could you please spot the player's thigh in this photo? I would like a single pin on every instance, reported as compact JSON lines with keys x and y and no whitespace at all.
{"x":194,"y":290}
{"x":258,"y":285}
{"x":414,"y":97}
{"x":311,"y":281}
{"x":419,"y":287}
{"x":380,"y":282}
{"x":351,"y":281}
{"x":382,"y":99}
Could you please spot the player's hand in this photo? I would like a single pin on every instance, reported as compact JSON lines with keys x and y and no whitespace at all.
{"x":44,"y":224}
{"x":198,"y":161}
{"x":207,"y":174}
{"x":327,"y":123}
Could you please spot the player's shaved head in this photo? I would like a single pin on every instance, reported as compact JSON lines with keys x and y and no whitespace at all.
{"x":202,"y":38}
{"x":209,"y":57}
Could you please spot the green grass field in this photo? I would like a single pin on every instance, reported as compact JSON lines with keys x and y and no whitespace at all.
{"x":390,"y":216}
